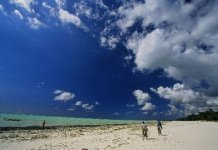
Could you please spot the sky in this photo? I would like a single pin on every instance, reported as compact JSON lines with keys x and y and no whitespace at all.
{"x":135,"y":59}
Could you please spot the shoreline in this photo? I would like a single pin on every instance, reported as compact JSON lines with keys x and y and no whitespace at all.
{"x":58,"y":127}
{"x":49,"y":127}
{"x":18,"y":116}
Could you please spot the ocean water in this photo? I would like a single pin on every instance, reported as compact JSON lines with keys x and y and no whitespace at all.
{"x":6,"y":120}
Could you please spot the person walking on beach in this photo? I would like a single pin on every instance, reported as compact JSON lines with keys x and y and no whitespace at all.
{"x":159,"y":127}
{"x":144,"y":130}
{"x":43,"y":124}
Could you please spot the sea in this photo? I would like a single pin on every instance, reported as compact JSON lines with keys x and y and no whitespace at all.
{"x":21,"y":120}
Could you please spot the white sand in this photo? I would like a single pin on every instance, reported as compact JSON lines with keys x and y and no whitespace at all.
{"x":176,"y":136}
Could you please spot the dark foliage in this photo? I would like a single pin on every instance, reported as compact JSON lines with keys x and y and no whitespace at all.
{"x":209,"y":115}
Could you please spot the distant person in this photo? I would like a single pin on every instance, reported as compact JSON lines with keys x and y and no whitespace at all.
{"x":159,"y":127}
{"x":144,"y":130}
{"x":43,"y":124}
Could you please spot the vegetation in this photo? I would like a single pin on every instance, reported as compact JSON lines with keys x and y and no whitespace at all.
{"x":209,"y":115}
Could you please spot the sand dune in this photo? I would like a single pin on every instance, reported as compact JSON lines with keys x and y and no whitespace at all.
{"x":176,"y":136}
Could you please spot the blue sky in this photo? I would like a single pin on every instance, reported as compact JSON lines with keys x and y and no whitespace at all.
{"x":94,"y":58}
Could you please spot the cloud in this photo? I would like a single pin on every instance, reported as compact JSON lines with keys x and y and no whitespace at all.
{"x":18,"y":14}
{"x":71,"y":109}
{"x":174,"y":111}
{"x":177,"y":37}
{"x":110,"y":41}
{"x":2,"y":10}
{"x":67,"y":17}
{"x":116,"y":113}
{"x":129,"y":13}
{"x":129,"y":112}
{"x":1,"y":7}
{"x":94,"y":10}
{"x":78,"y":103}
{"x":130,"y":105}
{"x":60,"y":3}
{"x":97,"y":103}
{"x":184,"y":101}
{"x":148,"y":106}
{"x":34,"y":23}
{"x":40,"y":84}
{"x":45,"y":5}
{"x":87,"y":106}
{"x":173,"y":33}
{"x":101,"y":4}
{"x":82,"y":9}
{"x":178,"y":94}
{"x":23,"y":3}
{"x":167,"y":35}
{"x":52,"y":10}
{"x":63,"y":96}
{"x":145,"y":113}
{"x":128,"y":58}
{"x":61,"y":12}
{"x":141,"y":97}
{"x":58,"y":91}
{"x":153,"y":55}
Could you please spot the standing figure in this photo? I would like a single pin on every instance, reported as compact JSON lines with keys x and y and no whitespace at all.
{"x":144,"y":130}
{"x":43,"y":124}
{"x":159,"y":127}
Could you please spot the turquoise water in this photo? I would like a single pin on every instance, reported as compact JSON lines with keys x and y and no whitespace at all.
{"x":33,"y":120}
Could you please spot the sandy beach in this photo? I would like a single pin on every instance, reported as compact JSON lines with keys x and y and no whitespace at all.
{"x":176,"y":136}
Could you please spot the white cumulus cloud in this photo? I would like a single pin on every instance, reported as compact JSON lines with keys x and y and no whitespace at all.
{"x":178,"y":94}
{"x":148,"y":106}
{"x":78,"y":103}
{"x":18,"y":14}
{"x":87,"y":106}
{"x":178,"y":37}
{"x":182,"y":43}
{"x":64,"y":96}
{"x":184,"y":100}
{"x":45,"y":5}
{"x":23,"y":3}
{"x":34,"y":23}
{"x":142,"y":100}
{"x":141,"y":97}
{"x":67,"y":17}
{"x":109,"y":41}
{"x":58,"y":91}
{"x":60,"y":3}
